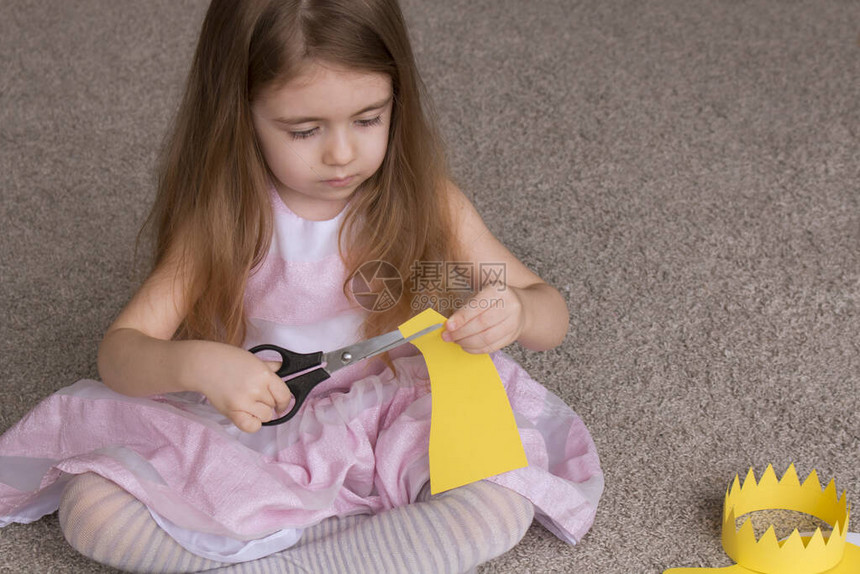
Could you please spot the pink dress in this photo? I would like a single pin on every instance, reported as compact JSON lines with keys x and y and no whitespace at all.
{"x":359,"y":444}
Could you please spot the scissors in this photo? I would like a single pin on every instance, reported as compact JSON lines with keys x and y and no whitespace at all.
{"x":304,"y":371}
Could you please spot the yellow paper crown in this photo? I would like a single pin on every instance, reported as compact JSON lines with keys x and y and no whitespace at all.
{"x":796,"y":554}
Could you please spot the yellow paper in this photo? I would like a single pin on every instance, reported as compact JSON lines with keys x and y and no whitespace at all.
{"x":473,"y":434}
{"x":850,"y":564}
{"x":727,"y":570}
{"x":796,"y":554}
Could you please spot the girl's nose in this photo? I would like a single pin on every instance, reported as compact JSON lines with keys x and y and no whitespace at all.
{"x":339,"y":149}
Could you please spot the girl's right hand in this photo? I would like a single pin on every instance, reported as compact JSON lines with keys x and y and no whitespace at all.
{"x":138,"y":356}
{"x":241,"y":386}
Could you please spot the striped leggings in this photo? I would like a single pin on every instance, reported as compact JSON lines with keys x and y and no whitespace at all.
{"x":453,"y":531}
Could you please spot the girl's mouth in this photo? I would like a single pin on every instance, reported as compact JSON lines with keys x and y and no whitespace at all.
{"x":340,"y":182}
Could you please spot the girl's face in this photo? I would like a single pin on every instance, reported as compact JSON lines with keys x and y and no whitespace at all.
{"x":322,"y":134}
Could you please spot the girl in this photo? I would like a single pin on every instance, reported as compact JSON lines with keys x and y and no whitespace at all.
{"x":301,"y":152}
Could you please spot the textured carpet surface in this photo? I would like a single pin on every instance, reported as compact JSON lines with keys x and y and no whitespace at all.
{"x":686,"y":173}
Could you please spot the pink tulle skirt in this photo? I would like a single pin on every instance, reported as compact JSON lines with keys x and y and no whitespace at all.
{"x":357,"y":446}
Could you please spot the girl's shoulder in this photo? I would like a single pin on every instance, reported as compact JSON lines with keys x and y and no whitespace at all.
{"x":468,"y":225}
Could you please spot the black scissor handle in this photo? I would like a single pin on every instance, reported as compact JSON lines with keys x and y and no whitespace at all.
{"x":291,"y":362}
{"x":300,"y":386}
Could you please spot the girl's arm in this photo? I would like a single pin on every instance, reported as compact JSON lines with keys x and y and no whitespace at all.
{"x":524,"y":308}
{"x":138,"y":358}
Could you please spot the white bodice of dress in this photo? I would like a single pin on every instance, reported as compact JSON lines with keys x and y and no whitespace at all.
{"x":295,"y":297}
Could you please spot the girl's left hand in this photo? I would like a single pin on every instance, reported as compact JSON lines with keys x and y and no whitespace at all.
{"x":489,"y":321}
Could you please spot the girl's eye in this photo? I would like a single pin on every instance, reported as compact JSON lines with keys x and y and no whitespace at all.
{"x":303,"y":134}
{"x":371,"y":122}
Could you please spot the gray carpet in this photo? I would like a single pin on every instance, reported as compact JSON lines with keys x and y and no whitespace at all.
{"x":686,"y":172}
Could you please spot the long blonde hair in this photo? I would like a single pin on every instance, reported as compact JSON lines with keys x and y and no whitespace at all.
{"x":212,"y":201}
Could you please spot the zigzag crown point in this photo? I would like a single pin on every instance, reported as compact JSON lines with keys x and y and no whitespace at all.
{"x":768,"y":478}
{"x":733,"y":491}
{"x":729,"y":516}
{"x":816,"y":542}
{"x":789,"y":478}
{"x":736,"y":483}
{"x":830,"y":490}
{"x":812,"y":479}
{"x":769,"y":538}
{"x":746,"y":529}
{"x":749,"y":481}
{"x":793,"y":544}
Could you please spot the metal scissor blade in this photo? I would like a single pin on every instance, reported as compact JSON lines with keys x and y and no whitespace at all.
{"x":411,"y":337}
{"x":350,"y":354}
